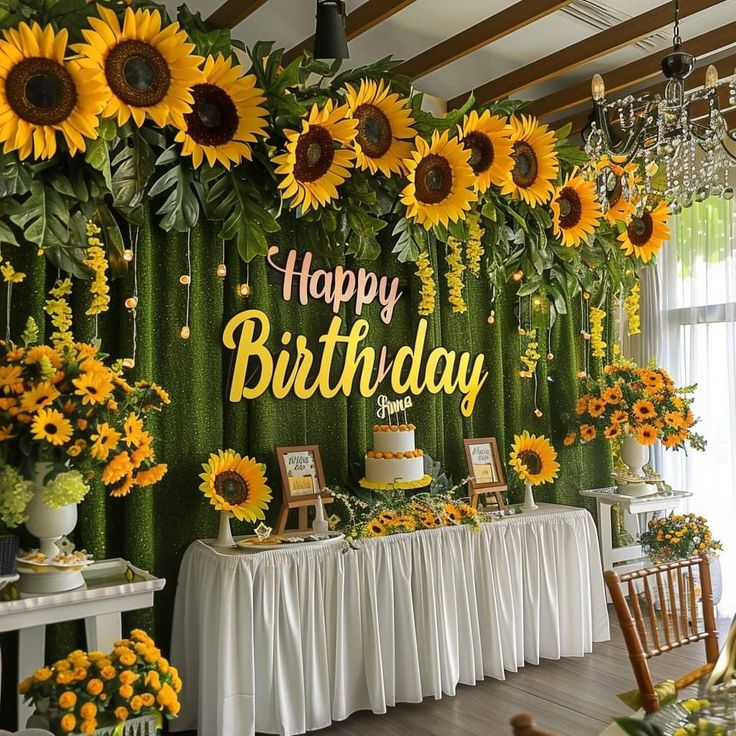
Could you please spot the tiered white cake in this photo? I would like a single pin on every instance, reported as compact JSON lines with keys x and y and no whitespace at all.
{"x":394,"y":457}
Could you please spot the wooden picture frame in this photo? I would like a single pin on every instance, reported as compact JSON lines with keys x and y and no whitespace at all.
{"x":485,"y":469}
{"x":297,"y":464}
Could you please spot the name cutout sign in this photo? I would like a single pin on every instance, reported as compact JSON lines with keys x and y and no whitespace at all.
{"x":412,"y":370}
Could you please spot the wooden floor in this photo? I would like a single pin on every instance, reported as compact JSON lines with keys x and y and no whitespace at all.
{"x":571,"y":697}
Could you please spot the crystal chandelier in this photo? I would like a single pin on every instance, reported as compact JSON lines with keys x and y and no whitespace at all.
{"x":678,"y":141}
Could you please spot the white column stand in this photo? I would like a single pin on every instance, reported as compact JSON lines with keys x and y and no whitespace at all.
{"x":31,"y":654}
{"x":102,"y":631}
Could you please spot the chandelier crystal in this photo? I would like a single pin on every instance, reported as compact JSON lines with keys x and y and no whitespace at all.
{"x":679,"y":140}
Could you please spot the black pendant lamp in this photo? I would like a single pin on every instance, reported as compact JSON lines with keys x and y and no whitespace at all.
{"x":330,"y":41}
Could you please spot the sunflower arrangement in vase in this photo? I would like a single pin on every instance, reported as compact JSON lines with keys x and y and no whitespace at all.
{"x":636,"y":407}
{"x":66,"y":418}
{"x":534,"y":460}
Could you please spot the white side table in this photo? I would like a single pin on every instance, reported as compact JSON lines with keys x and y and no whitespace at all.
{"x":111,"y":587}
{"x":640,"y":509}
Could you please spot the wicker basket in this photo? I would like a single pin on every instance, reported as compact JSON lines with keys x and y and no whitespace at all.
{"x":8,"y":553}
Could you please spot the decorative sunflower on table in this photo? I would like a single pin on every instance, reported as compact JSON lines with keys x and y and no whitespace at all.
{"x":488,"y":138}
{"x":42,"y":92}
{"x":384,"y":133}
{"x":441,"y":181}
{"x":645,"y":233}
{"x":535,"y":461}
{"x":318,"y":157}
{"x":575,"y":211}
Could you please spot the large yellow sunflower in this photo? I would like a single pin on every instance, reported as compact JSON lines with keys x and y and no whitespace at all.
{"x":534,"y":459}
{"x":226,"y":115}
{"x":440,"y":187}
{"x":384,"y":125}
{"x":488,"y":138}
{"x":94,"y":388}
{"x":317,"y":158}
{"x":236,"y":484}
{"x":575,"y":211}
{"x":51,"y":425}
{"x":619,"y":177}
{"x":39,"y":397}
{"x":645,"y":233}
{"x":41,"y":93}
{"x":140,"y":68}
{"x":535,"y":162}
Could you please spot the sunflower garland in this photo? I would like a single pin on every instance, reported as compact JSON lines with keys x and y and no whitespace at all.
{"x":534,"y":459}
{"x":454,"y":275}
{"x":428,"y":290}
{"x":597,"y":344}
{"x":440,"y":188}
{"x":488,"y":138}
{"x":318,"y":158}
{"x":645,"y":233}
{"x":227,"y":116}
{"x":97,"y":263}
{"x":384,"y":131}
{"x":575,"y":211}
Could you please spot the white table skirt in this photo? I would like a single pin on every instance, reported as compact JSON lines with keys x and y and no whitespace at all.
{"x":288,"y":641}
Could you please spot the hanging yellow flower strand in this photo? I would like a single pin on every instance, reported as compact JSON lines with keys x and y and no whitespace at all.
{"x":597,"y":344}
{"x":474,"y":250}
{"x":531,"y":355}
{"x":631,"y":307}
{"x":97,"y":263}
{"x":428,"y":290}
{"x":454,"y":275}
{"x":57,"y":307}
{"x":10,"y":277}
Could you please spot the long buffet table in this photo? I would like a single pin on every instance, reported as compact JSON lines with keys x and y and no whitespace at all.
{"x":288,"y":641}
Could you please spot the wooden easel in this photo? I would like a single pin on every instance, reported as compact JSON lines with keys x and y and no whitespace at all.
{"x":495,"y":488}
{"x":302,"y":506}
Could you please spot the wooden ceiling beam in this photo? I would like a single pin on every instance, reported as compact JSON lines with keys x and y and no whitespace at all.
{"x":631,"y":74}
{"x":589,"y":49}
{"x":482,"y":34}
{"x":233,"y":12}
{"x":362,"y":19}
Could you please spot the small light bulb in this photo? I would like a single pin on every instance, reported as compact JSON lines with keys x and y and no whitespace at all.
{"x":128,"y":255}
{"x":185,"y":332}
{"x":586,"y":335}
{"x":582,"y":374}
{"x":128,"y":363}
{"x":711,"y":76}
{"x":586,"y":295}
{"x":244,"y":290}
{"x":221,"y":270}
{"x":185,"y":279}
{"x":537,"y":302}
{"x":131,"y":302}
{"x":598,"y":88}
{"x":550,"y":356}
{"x":522,"y":331}
{"x":491,"y":318}
{"x":538,"y":413}
{"x":518,"y":275}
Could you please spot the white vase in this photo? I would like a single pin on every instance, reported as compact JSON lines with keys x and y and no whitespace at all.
{"x":49,"y":525}
{"x":224,"y":533}
{"x":635,"y":456}
{"x":529,"y":504}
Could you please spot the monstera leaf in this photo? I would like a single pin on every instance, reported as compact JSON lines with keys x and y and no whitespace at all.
{"x":132,"y":167}
{"x":43,"y":216}
{"x":180,"y":210}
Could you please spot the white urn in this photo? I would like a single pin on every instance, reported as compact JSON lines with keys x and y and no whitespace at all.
{"x":635,"y":456}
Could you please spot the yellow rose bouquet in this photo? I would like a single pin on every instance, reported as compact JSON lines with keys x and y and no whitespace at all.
{"x":677,"y":537}
{"x":90,"y":690}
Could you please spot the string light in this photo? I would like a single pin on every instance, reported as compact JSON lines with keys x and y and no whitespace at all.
{"x":128,"y":255}
{"x":186,"y":280}
{"x":131,"y":302}
{"x":492,"y":317}
{"x":128,"y":363}
{"x":221,"y":269}
{"x":518,"y":275}
{"x":244,"y":290}
{"x":185,"y":332}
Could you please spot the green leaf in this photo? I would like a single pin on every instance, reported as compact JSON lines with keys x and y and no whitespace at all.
{"x":7,"y":236}
{"x":208,"y":40}
{"x":180,"y":209}
{"x":97,"y":156}
{"x":43,"y":217}
{"x":363,"y":247}
{"x":15,"y":178}
{"x":132,"y":166}
{"x":69,"y":259}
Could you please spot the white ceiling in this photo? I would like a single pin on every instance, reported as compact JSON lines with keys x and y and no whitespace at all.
{"x":425,"y":23}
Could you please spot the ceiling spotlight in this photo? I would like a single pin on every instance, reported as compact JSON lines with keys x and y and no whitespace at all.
{"x":330,"y":41}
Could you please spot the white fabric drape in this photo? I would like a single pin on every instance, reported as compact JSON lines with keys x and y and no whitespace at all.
{"x":698,"y":337}
{"x":287,"y":641}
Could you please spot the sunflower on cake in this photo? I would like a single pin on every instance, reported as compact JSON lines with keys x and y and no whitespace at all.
{"x":395,"y":462}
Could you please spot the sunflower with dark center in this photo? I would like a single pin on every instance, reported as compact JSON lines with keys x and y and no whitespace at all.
{"x":534,"y":459}
{"x":441,"y":182}
{"x":619,"y":208}
{"x":575,"y":211}
{"x":384,"y":131}
{"x":488,"y":138}
{"x":236,"y":484}
{"x":318,"y":158}
{"x":141,"y":68}
{"x":226,"y":118}
{"x":645,"y":233}
{"x":42,"y":93}
{"x":536,"y":165}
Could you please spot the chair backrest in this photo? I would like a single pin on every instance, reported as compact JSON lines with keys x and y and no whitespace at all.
{"x":658,"y":610}
{"x":523,"y":725}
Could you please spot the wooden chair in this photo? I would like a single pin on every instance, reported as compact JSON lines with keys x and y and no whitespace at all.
{"x":663,"y":615}
{"x":523,"y":725}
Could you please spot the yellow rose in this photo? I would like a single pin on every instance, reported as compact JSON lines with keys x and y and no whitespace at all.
{"x":88,"y":711}
{"x":174,"y":708}
{"x":67,"y":723}
{"x":136,"y":703}
{"x":153,"y":681}
{"x":127,"y":658}
{"x":121,"y":713}
{"x":166,"y":696}
{"x":103,"y":662}
{"x":126,"y":691}
{"x":67,"y":700}
{"x":62,"y":665}
{"x":94,"y":686}
{"x":163,"y":665}
{"x":88,"y":727}
{"x":108,"y":672}
{"x":148,"y":699}
{"x":25,"y":685}
{"x":42,"y":674}
{"x":127,"y":677}
{"x":64,"y":677}
{"x":80,"y":674}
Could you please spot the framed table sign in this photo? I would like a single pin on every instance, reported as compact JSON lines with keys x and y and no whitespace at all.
{"x":302,"y":480}
{"x":486,"y":470}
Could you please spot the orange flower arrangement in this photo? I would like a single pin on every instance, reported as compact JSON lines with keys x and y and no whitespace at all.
{"x":642,"y":402}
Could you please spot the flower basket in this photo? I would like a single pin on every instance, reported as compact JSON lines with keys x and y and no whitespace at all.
{"x":144,"y":726}
{"x":8,"y":553}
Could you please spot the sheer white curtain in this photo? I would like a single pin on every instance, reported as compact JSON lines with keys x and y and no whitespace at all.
{"x":697,"y":329}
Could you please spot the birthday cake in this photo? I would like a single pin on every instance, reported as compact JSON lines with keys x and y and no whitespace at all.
{"x":394,"y":462}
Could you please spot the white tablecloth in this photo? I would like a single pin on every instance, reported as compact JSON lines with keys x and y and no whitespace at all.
{"x":287,"y":641}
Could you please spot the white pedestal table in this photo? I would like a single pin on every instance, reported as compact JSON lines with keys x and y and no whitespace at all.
{"x":289,"y":640}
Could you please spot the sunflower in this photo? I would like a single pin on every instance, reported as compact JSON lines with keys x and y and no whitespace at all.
{"x":534,"y":458}
{"x":644,"y":410}
{"x":646,"y":434}
{"x":94,"y":388}
{"x":596,"y":406}
{"x":11,"y":379}
{"x":612,"y":395}
{"x":535,"y":162}
{"x":582,"y":405}
{"x":440,"y":181}
{"x":384,"y":125}
{"x":236,"y":484}
{"x":375,"y":528}
{"x":619,"y":207}
{"x":651,"y":379}
{"x":619,"y":416}
{"x":151,"y":475}
{"x":104,"y":439}
{"x":612,"y":431}
{"x":51,"y":425}
{"x":122,"y":486}
{"x":453,"y":513}
{"x":570,"y":438}
{"x":39,"y":397}
{"x":141,"y":69}
{"x":118,"y":467}
{"x":42,"y":93}
{"x":645,"y":233}
{"x":575,"y":211}
{"x":317,"y":158}
{"x":226,"y":115}
{"x":488,"y":138}
{"x":133,"y":428}
{"x":39,"y":352}
{"x":671,"y":440}
{"x":587,"y":432}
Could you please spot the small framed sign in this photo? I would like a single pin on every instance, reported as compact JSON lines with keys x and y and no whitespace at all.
{"x":302,"y":481}
{"x":485,"y":468}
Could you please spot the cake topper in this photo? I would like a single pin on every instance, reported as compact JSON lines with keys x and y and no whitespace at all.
{"x":386,"y":407}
